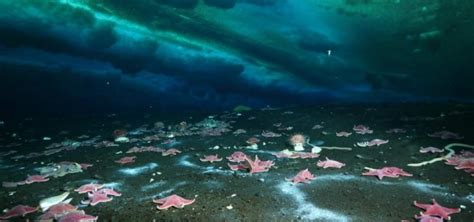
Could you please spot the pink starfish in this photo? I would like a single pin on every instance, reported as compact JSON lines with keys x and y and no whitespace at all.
{"x":361,"y":129}
{"x":211,"y":158}
{"x":19,"y":210}
{"x":374,"y":142}
{"x":344,"y":134}
{"x":89,"y":188}
{"x":445,"y":135}
{"x":255,"y":166}
{"x":145,"y":149}
{"x":437,"y":210}
{"x":428,"y":218}
{"x":237,"y":157}
{"x":239,"y":131}
{"x":328,"y":163}
{"x":171,"y":151}
{"x":305,"y":155}
{"x":258,"y":165}
{"x":431,"y":149}
{"x":152,"y":149}
{"x":252,"y":140}
{"x":134,"y":149}
{"x":396,"y":130}
{"x":464,"y":161}
{"x":172,"y":201}
{"x":377,"y":142}
{"x":84,"y":166}
{"x":110,"y":192}
{"x":454,"y":160}
{"x":36,"y":179}
{"x":466,"y":164}
{"x":281,"y":155}
{"x":96,"y":198}
{"x":127,"y":159}
{"x":296,"y":155}
{"x":100,"y":196}
{"x":467,"y":154}
{"x":270,"y":134}
{"x":237,"y":167}
{"x":79,"y":216}
{"x":386,"y":172}
{"x":303,"y":176}
{"x":57,"y":211}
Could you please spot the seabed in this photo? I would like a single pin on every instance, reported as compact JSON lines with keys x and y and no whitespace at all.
{"x":224,"y":195}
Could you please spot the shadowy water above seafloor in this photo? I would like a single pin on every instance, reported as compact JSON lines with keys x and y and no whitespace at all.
{"x":222,"y":194}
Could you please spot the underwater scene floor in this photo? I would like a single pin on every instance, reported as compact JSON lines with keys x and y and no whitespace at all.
{"x":358,"y":163}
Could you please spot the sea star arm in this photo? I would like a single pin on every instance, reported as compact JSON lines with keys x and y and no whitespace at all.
{"x":422,"y":206}
{"x":186,"y":201}
{"x":166,"y":205}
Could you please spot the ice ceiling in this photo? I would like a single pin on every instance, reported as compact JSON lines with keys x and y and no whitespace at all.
{"x":216,"y":54}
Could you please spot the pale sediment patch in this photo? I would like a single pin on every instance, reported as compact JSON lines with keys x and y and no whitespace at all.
{"x":307,"y":210}
{"x":184,"y":161}
{"x":269,"y":152}
{"x":470,"y":198}
{"x":134,"y":171}
{"x":432,"y":189}
{"x":214,"y":184}
{"x":425,"y":187}
{"x":163,"y":193}
{"x":86,"y":181}
{"x":114,"y":185}
{"x":153,"y":186}
{"x":172,"y":144}
{"x":211,"y":169}
{"x":166,"y":192}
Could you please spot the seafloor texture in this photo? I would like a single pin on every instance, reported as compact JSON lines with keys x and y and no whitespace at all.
{"x":222,"y":194}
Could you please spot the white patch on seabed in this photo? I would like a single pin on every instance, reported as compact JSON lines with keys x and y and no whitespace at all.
{"x":172,"y":144}
{"x":269,"y":152}
{"x":214,"y":184}
{"x":156,"y":196}
{"x":307,"y":210}
{"x":134,"y":171}
{"x":164,"y":193}
{"x":425,"y":187}
{"x":183,"y":161}
{"x":211,"y":169}
{"x":429,"y":188}
{"x":336,"y":177}
{"x":86,"y":181}
{"x":470,"y":198}
{"x":153,"y":185}
{"x":113,"y":185}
